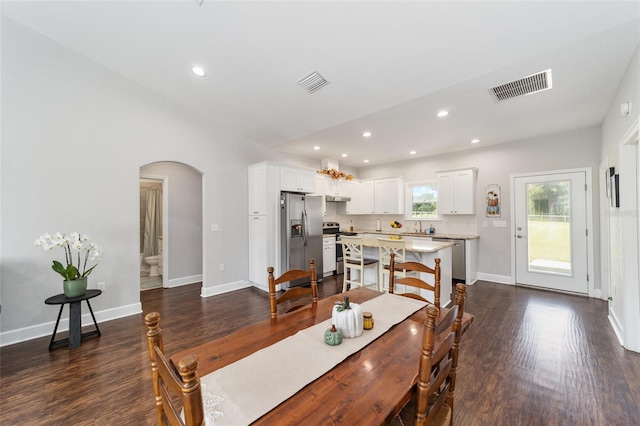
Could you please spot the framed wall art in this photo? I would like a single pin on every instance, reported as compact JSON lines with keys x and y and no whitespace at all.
{"x":615,"y":191}
{"x":493,"y":200}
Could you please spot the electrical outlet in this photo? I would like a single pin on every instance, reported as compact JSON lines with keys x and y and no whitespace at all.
{"x":484,"y":223}
{"x":221,"y":267}
{"x":102,"y":286}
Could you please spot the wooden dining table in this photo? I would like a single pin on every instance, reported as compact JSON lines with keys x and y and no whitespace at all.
{"x":369,"y":387}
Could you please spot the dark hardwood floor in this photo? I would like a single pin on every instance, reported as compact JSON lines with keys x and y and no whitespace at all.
{"x":531,"y":357}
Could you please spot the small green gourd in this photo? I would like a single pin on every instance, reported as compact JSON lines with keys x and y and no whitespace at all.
{"x":333,"y":336}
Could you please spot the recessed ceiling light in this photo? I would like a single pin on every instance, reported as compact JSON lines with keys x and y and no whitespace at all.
{"x":366,"y":134}
{"x":198,"y":71}
{"x":412,"y":152}
{"x":366,"y":161}
{"x":442,"y":113}
{"x":475,"y":140}
{"x":316,"y":147}
{"x":343,"y":155}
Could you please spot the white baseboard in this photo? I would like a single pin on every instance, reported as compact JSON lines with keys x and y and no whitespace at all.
{"x":177,"y":282}
{"x":224,"y":288}
{"x":500,"y":279}
{"x":46,"y":329}
{"x":616,"y":327}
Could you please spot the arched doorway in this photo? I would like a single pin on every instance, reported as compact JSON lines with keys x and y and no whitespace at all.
{"x":180,"y":244}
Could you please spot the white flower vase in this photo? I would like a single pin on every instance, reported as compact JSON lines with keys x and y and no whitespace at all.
{"x":75,"y":288}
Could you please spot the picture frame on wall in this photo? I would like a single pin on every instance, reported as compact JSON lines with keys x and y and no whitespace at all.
{"x":493,"y":200}
{"x":615,"y":191}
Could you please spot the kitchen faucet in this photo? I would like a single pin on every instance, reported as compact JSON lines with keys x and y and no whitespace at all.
{"x":419,"y":226}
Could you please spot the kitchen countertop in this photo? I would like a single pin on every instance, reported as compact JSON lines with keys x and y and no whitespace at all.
{"x":425,"y":246}
{"x":415,"y":234}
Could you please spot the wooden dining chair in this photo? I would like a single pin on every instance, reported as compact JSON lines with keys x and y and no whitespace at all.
{"x":355,"y":264}
{"x":433,"y":402}
{"x":295,"y":292}
{"x":178,"y":396}
{"x":414,"y":281}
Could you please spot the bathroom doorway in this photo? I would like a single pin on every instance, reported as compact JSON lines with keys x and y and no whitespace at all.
{"x":152,"y":207}
{"x":180,"y":245}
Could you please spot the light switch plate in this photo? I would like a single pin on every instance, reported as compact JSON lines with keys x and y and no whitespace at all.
{"x":499,"y":223}
{"x":215,"y":227}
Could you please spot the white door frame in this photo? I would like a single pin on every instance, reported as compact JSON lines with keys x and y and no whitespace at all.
{"x":589,"y":212}
{"x":605,"y":234}
{"x":165,"y":224}
{"x":629,"y":153}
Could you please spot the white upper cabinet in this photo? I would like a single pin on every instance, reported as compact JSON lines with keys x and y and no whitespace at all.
{"x":389,"y":196}
{"x":319,"y":191}
{"x":353,"y":189}
{"x":297,"y":179}
{"x":367,"y":197}
{"x":261,"y":188}
{"x":456,"y":191}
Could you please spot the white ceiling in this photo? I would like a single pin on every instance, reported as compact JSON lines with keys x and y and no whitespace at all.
{"x":391,"y":65}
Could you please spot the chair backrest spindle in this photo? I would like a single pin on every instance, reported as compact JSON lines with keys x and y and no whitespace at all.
{"x":168,"y":380}
{"x":414,"y":281}
{"x":295,"y":292}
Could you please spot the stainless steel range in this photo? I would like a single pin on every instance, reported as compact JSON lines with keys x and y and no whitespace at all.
{"x":333,"y":228}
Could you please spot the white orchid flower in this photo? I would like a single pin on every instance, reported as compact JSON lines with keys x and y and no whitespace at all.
{"x":72,"y":243}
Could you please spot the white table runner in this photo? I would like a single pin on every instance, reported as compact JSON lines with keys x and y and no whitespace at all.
{"x":245,"y":390}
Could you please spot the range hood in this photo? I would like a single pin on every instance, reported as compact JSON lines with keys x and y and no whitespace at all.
{"x":331,"y":164}
{"x":337,"y":198}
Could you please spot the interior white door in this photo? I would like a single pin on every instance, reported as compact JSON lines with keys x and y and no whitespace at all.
{"x":551,"y":231}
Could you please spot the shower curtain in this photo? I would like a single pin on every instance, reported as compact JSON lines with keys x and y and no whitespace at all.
{"x":153,"y":221}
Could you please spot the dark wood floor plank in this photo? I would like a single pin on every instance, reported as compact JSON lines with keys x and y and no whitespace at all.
{"x":531,"y":357}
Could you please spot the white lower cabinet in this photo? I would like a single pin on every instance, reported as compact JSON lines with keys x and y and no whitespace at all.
{"x":261,"y":252}
{"x":328,"y":255}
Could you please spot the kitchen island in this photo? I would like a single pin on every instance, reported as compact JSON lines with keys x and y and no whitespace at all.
{"x":464,"y":255}
{"x":424,"y":251}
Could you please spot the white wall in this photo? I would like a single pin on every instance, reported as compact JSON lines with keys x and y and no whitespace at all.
{"x":74,"y":137}
{"x":495,"y":164}
{"x":183,"y":242}
{"x":622,"y":222}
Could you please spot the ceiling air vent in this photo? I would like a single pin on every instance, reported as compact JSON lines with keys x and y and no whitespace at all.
{"x":524,"y":86}
{"x":313,"y":82}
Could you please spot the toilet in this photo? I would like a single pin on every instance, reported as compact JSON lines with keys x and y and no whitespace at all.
{"x":153,"y":262}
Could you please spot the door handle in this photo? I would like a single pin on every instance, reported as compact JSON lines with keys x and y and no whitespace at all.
{"x":305,"y":231}
{"x":521,"y":236}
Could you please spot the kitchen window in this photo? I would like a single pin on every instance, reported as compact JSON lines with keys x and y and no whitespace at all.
{"x":422,"y":200}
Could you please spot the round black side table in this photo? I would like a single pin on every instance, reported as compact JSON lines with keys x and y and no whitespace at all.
{"x":75,"y":321}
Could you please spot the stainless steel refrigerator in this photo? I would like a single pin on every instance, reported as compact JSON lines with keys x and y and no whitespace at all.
{"x":301,"y":233}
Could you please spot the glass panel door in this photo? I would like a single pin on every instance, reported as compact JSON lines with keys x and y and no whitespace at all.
{"x":550,"y":231}
{"x":549,"y":227}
